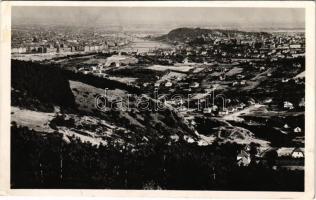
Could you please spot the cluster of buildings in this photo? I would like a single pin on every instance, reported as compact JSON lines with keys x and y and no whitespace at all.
{"x":265,"y":46}
{"x":37,"y":40}
{"x":57,"y":47}
{"x":291,"y":158}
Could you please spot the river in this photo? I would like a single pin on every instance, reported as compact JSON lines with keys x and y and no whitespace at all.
{"x":142,"y":45}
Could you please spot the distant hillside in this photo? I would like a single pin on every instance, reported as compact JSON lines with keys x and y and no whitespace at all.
{"x":181,"y":34}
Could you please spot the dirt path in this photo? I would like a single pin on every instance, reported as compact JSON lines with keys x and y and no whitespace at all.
{"x":235,"y":116}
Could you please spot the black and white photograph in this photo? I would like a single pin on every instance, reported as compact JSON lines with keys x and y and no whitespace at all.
{"x":158,"y":98}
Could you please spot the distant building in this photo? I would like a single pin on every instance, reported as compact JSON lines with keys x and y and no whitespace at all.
{"x":298,"y":153}
{"x":223,"y":112}
{"x":195,"y":85}
{"x":207,"y":110}
{"x":302,"y":103}
{"x":221,"y":78}
{"x":188,"y":139}
{"x":168,"y":84}
{"x":288,"y":105}
{"x":269,"y":100}
{"x":157,"y":84}
{"x":295,"y":46}
{"x":243,"y":158}
{"x":86,"y":48}
{"x":18,"y":50}
{"x":232,"y":109}
{"x":284,"y":151}
{"x":290,"y":152}
{"x":239,"y":76}
{"x":297,"y":130}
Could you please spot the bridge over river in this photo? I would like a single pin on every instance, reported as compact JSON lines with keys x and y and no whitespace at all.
{"x":142,"y":45}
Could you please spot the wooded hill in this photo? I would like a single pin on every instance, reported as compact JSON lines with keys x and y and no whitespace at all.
{"x":181,"y":34}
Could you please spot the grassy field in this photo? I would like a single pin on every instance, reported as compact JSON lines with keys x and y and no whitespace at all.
{"x":234,"y":71}
{"x":35,"y":120}
{"x":85,"y":95}
{"x":176,"y":68}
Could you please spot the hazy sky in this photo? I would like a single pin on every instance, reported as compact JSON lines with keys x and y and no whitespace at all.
{"x":217,"y":17}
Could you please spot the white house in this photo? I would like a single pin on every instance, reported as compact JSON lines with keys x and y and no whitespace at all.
{"x":194,"y":85}
{"x":168,"y":84}
{"x":243,"y":158}
{"x":207,"y":110}
{"x":188,"y":139}
{"x":232,"y":109}
{"x":291,"y":151}
{"x":302,"y":103}
{"x":298,"y":153}
{"x":223,"y":112}
{"x":193,"y":123}
{"x":295,"y":46}
{"x":234,"y":83}
{"x":288,"y":105}
{"x":297,"y":130}
{"x":202,"y":143}
{"x":269,"y":100}
{"x":285,"y":151}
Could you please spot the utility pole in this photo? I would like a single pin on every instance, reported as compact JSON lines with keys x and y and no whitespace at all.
{"x":41,"y":172}
{"x":213,"y":174}
{"x":125,"y":181}
{"x":61,"y":164}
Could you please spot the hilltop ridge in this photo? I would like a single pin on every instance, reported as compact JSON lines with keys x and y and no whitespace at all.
{"x":181,"y":34}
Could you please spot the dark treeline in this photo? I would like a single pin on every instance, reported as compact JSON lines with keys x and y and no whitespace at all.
{"x":46,"y":83}
{"x":47,"y":161}
{"x":35,"y":84}
{"x":74,"y":56}
{"x":54,"y":74}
